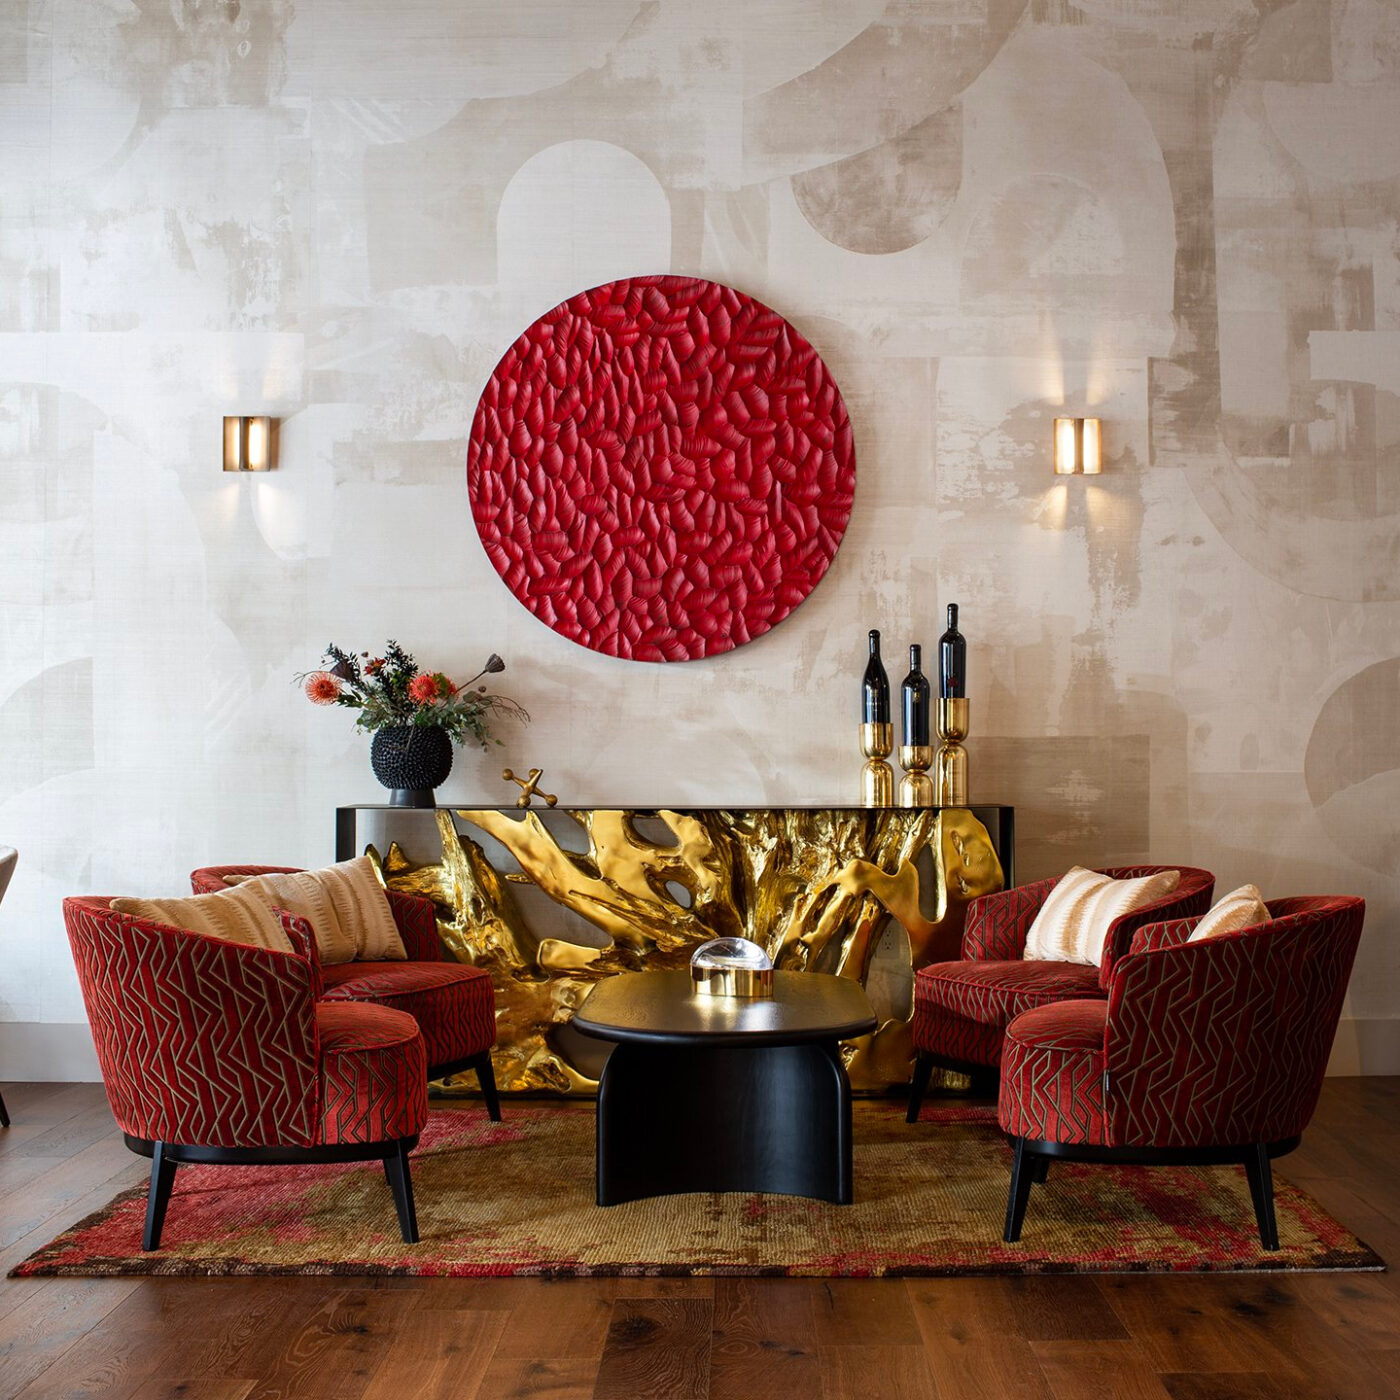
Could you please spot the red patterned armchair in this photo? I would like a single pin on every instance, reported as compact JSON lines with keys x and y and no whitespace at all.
{"x":962,"y":1009}
{"x":1209,"y":1052}
{"x":454,"y":1005}
{"x":218,"y":1052}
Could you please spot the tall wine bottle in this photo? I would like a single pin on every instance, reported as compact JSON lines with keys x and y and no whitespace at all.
{"x":876,"y":733}
{"x":875,"y":687}
{"x":952,"y":659}
{"x":915,"y":693}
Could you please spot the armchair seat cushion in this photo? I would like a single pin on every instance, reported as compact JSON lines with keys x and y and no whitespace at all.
{"x":1052,"y":1073}
{"x":453,"y":1004}
{"x":374,"y":1073}
{"x":962,"y":1008}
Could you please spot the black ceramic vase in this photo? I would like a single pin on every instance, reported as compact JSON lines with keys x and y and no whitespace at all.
{"x":411,"y":760}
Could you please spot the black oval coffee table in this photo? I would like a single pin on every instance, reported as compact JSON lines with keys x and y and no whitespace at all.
{"x":724,"y":1094}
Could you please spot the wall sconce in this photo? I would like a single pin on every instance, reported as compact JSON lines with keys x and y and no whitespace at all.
{"x":1078,"y":446}
{"x":250,"y":444}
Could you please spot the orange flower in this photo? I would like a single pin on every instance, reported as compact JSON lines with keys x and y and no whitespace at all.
{"x":322,"y":688}
{"x":430,"y":686}
{"x":423,"y":688}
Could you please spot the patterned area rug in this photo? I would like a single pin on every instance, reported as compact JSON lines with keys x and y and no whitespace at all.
{"x":517,"y":1198}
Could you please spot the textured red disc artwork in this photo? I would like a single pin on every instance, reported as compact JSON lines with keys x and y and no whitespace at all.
{"x":661,"y":468}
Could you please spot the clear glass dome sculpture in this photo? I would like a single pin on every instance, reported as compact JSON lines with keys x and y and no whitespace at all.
{"x":734,"y":967}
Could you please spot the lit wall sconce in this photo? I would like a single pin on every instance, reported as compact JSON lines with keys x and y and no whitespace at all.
{"x":250,"y":444}
{"x":1078,"y":446}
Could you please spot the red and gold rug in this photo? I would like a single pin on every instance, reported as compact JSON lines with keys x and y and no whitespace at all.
{"x":517,"y":1198}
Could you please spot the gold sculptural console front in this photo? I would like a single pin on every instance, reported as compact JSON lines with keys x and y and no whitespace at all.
{"x":550,"y":902}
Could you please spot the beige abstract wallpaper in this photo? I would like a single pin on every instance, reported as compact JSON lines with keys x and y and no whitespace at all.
{"x":1182,"y":216}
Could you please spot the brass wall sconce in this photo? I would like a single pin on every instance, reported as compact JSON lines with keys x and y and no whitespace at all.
{"x":1078,"y":447}
{"x":250,"y":444}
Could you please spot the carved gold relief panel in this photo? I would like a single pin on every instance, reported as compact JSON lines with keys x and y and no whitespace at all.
{"x":550,"y":902}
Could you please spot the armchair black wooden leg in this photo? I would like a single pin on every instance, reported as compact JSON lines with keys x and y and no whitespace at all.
{"x":4,"y":1115}
{"x":486,"y":1077}
{"x":158,"y":1197}
{"x":918,"y":1086}
{"x":1261,"y":1188}
{"x":1040,"y":1169}
{"x":401,"y":1184}
{"x":1022,"y":1171}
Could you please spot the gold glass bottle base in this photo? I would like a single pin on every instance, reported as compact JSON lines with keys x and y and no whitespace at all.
{"x":916,"y":787}
{"x":877,"y":777}
{"x":916,"y":790}
{"x":877,"y":784}
{"x":952,"y":776}
{"x":950,"y":767}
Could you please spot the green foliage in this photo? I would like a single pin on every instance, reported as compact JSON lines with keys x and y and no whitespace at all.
{"x":391,"y":690}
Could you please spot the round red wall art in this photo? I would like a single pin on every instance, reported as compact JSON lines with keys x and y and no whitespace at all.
{"x":661,"y":468}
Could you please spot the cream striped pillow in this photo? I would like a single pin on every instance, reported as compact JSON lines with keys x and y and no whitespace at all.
{"x":233,"y":915}
{"x":1076,"y":916}
{"x":1241,"y":908}
{"x":346,"y":906}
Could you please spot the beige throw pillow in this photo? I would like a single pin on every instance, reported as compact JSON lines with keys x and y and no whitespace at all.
{"x":1241,"y":908}
{"x":1077,"y":914}
{"x":233,"y":915}
{"x":345,"y":904}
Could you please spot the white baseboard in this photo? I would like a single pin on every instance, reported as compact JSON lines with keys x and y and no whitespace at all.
{"x":47,"y":1051}
{"x":1366,"y":1047}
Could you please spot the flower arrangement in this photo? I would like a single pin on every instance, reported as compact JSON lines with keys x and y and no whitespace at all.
{"x":390,"y":690}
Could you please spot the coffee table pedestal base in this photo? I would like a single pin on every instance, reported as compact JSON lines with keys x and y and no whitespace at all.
{"x":693,"y":1118}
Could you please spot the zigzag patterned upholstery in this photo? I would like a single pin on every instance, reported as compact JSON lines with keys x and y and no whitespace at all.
{"x":1227,"y":1040}
{"x":1052,"y":1073}
{"x":454,"y":1004}
{"x":374,"y":1073}
{"x":213,"y":1051}
{"x":199,"y":1040}
{"x":206,"y":1042}
{"x":961,"y":1009}
{"x":1208,"y":1052}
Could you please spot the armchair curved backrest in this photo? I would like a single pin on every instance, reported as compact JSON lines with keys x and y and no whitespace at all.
{"x":200,"y":1041}
{"x":415,"y":917}
{"x":1226,"y":1041}
{"x":997,"y":924}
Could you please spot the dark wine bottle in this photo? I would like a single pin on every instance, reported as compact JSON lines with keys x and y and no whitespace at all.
{"x":875,"y":687}
{"x":916,"y":700}
{"x":952,"y":659}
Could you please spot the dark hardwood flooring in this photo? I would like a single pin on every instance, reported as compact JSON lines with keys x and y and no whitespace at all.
{"x":1192,"y":1337}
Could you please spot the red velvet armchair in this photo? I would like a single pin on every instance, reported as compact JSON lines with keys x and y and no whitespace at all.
{"x":216,"y":1052}
{"x":962,"y":1009}
{"x":1209,"y":1052}
{"x":454,"y":1004}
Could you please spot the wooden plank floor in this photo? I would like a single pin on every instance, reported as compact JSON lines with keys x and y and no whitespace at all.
{"x":1185,"y":1337}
